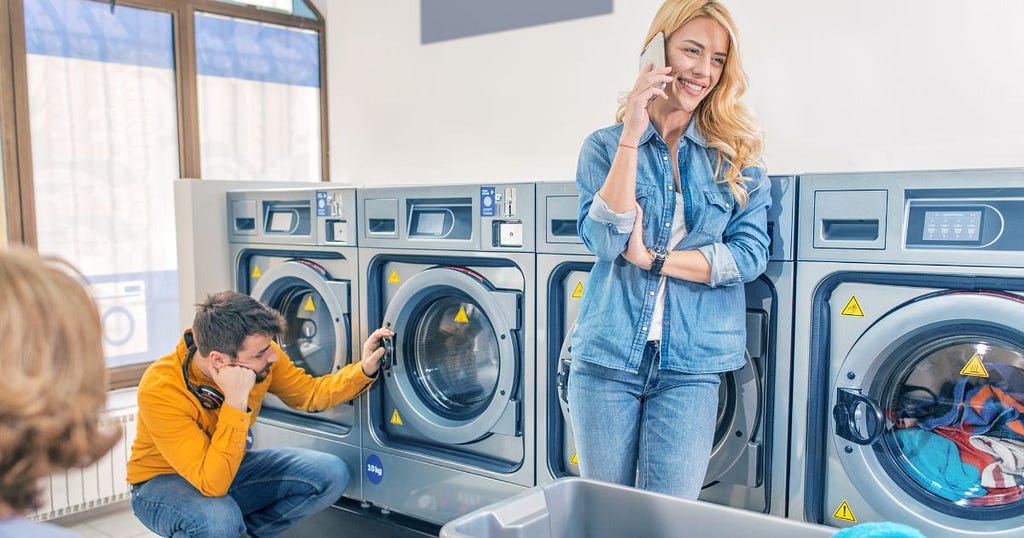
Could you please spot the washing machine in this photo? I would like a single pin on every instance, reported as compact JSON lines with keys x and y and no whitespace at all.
{"x":909,"y":351}
{"x":451,"y":269}
{"x":122,"y":306}
{"x":295,"y":250}
{"x":748,"y":465}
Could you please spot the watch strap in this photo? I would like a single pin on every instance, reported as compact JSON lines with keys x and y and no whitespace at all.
{"x":659,"y":261}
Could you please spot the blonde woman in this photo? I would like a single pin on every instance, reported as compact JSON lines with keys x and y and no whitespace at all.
{"x":53,"y":385}
{"x":673,"y":202}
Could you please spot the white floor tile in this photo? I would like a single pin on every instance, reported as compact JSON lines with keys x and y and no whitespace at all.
{"x":120,"y":524}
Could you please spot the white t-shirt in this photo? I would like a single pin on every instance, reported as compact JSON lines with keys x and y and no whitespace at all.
{"x":678,"y":233}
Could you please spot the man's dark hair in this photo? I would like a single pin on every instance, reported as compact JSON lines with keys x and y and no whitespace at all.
{"x":225,"y":319}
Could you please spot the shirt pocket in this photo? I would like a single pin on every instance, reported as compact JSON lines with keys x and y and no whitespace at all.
{"x":717,"y":211}
{"x":652,"y":210}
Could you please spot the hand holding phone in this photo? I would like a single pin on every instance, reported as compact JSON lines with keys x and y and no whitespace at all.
{"x":654,"y":54}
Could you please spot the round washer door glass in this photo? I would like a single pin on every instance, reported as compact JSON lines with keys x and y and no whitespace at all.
{"x":955,"y":422}
{"x":309,"y":335}
{"x":455,"y":358}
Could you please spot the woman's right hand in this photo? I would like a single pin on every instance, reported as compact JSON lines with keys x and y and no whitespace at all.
{"x":648,"y":87}
{"x":636,"y":251}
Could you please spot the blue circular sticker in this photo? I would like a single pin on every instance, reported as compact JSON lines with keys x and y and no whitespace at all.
{"x":374,"y":469}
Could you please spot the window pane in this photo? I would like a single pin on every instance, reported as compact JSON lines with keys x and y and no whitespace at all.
{"x":103,"y":117}
{"x":297,"y":8}
{"x":259,"y":100}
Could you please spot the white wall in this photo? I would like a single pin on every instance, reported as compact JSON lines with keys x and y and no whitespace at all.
{"x":838,"y":86}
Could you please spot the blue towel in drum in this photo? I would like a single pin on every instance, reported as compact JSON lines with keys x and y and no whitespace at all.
{"x":934,"y":463}
{"x":884,"y":529}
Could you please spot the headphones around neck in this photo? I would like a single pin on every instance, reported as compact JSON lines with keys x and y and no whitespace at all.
{"x":208,"y":397}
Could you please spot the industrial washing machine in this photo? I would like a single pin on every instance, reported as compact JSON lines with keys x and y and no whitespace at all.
{"x":909,"y":351}
{"x":451,"y":269}
{"x":748,"y":465}
{"x":295,"y":250}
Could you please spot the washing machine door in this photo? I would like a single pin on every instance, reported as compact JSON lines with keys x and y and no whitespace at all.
{"x":928,"y":413}
{"x":736,"y":453}
{"x":455,"y":368}
{"x":316,"y":309}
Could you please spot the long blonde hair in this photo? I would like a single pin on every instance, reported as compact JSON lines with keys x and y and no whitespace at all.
{"x":53,"y":378}
{"x":726,"y":123}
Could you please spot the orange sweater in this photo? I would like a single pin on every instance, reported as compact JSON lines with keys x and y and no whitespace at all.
{"x":178,"y":435}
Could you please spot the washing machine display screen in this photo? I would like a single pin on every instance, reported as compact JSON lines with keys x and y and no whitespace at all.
{"x":456,"y":357}
{"x":952,"y":226}
{"x":281,"y":221}
{"x":430,"y":224}
{"x":955,"y":422}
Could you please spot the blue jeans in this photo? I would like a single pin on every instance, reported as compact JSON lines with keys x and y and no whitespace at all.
{"x":654,"y":429}
{"x":273,"y":490}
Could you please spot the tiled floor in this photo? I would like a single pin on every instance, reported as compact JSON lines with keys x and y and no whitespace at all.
{"x":109,"y":522}
{"x":346,"y":518}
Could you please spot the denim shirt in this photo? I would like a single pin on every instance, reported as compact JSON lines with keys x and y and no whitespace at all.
{"x":704,"y":325}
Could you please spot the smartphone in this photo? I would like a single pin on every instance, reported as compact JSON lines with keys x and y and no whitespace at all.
{"x":654,"y":53}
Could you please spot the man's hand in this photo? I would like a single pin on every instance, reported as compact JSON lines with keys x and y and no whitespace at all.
{"x":235,"y":382}
{"x":373,"y":351}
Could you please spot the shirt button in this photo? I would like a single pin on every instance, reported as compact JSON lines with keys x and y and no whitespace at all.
{"x":667,"y":224}
{"x":652,"y":294}
{"x":644,"y":329}
{"x":664,"y":157}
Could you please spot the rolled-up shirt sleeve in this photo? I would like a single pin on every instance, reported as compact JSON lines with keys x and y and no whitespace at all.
{"x":602,"y":214}
{"x":743,"y":253}
{"x":723,"y":266}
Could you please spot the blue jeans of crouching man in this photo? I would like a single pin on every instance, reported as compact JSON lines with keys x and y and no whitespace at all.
{"x":273,"y":490}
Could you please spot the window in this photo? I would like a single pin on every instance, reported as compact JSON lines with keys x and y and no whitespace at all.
{"x":103,"y":117}
{"x":104,"y":104}
{"x":259,"y":100}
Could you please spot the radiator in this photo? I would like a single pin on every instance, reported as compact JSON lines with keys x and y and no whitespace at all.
{"x":99,"y":484}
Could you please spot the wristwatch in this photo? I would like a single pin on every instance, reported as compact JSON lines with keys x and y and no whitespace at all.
{"x":660,"y":255}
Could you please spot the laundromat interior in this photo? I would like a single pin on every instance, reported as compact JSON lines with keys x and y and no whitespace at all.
{"x":357,"y":164}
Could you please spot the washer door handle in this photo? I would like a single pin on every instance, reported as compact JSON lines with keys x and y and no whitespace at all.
{"x":388,"y":343}
{"x":845,"y":415}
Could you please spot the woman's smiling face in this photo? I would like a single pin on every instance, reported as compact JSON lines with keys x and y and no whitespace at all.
{"x":697,"y":52}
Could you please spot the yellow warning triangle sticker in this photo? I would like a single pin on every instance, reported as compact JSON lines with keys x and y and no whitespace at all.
{"x":574,"y":459}
{"x":461,"y":317}
{"x":844,"y":513}
{"x":852,"y":308}
{"x":309,"y":307}
{"x":396,"y":419}
{"x":578,"y":292}
{"x":256,"y":271}
{"x":975,"y":367}
{"x":393,"y":279}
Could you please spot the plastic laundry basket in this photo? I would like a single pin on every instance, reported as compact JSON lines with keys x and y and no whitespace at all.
{"x":577,"y":507}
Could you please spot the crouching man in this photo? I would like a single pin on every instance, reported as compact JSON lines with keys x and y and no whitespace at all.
{"x":192,"y":470}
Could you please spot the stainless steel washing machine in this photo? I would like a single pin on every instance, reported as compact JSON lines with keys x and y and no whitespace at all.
{"x":295,"y":250}
{"x":748,"y":464}
{"x":451,"y":269}
{"x":909,"y":351}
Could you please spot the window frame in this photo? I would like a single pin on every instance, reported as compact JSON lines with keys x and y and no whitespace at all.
{"x":15,"y":134}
